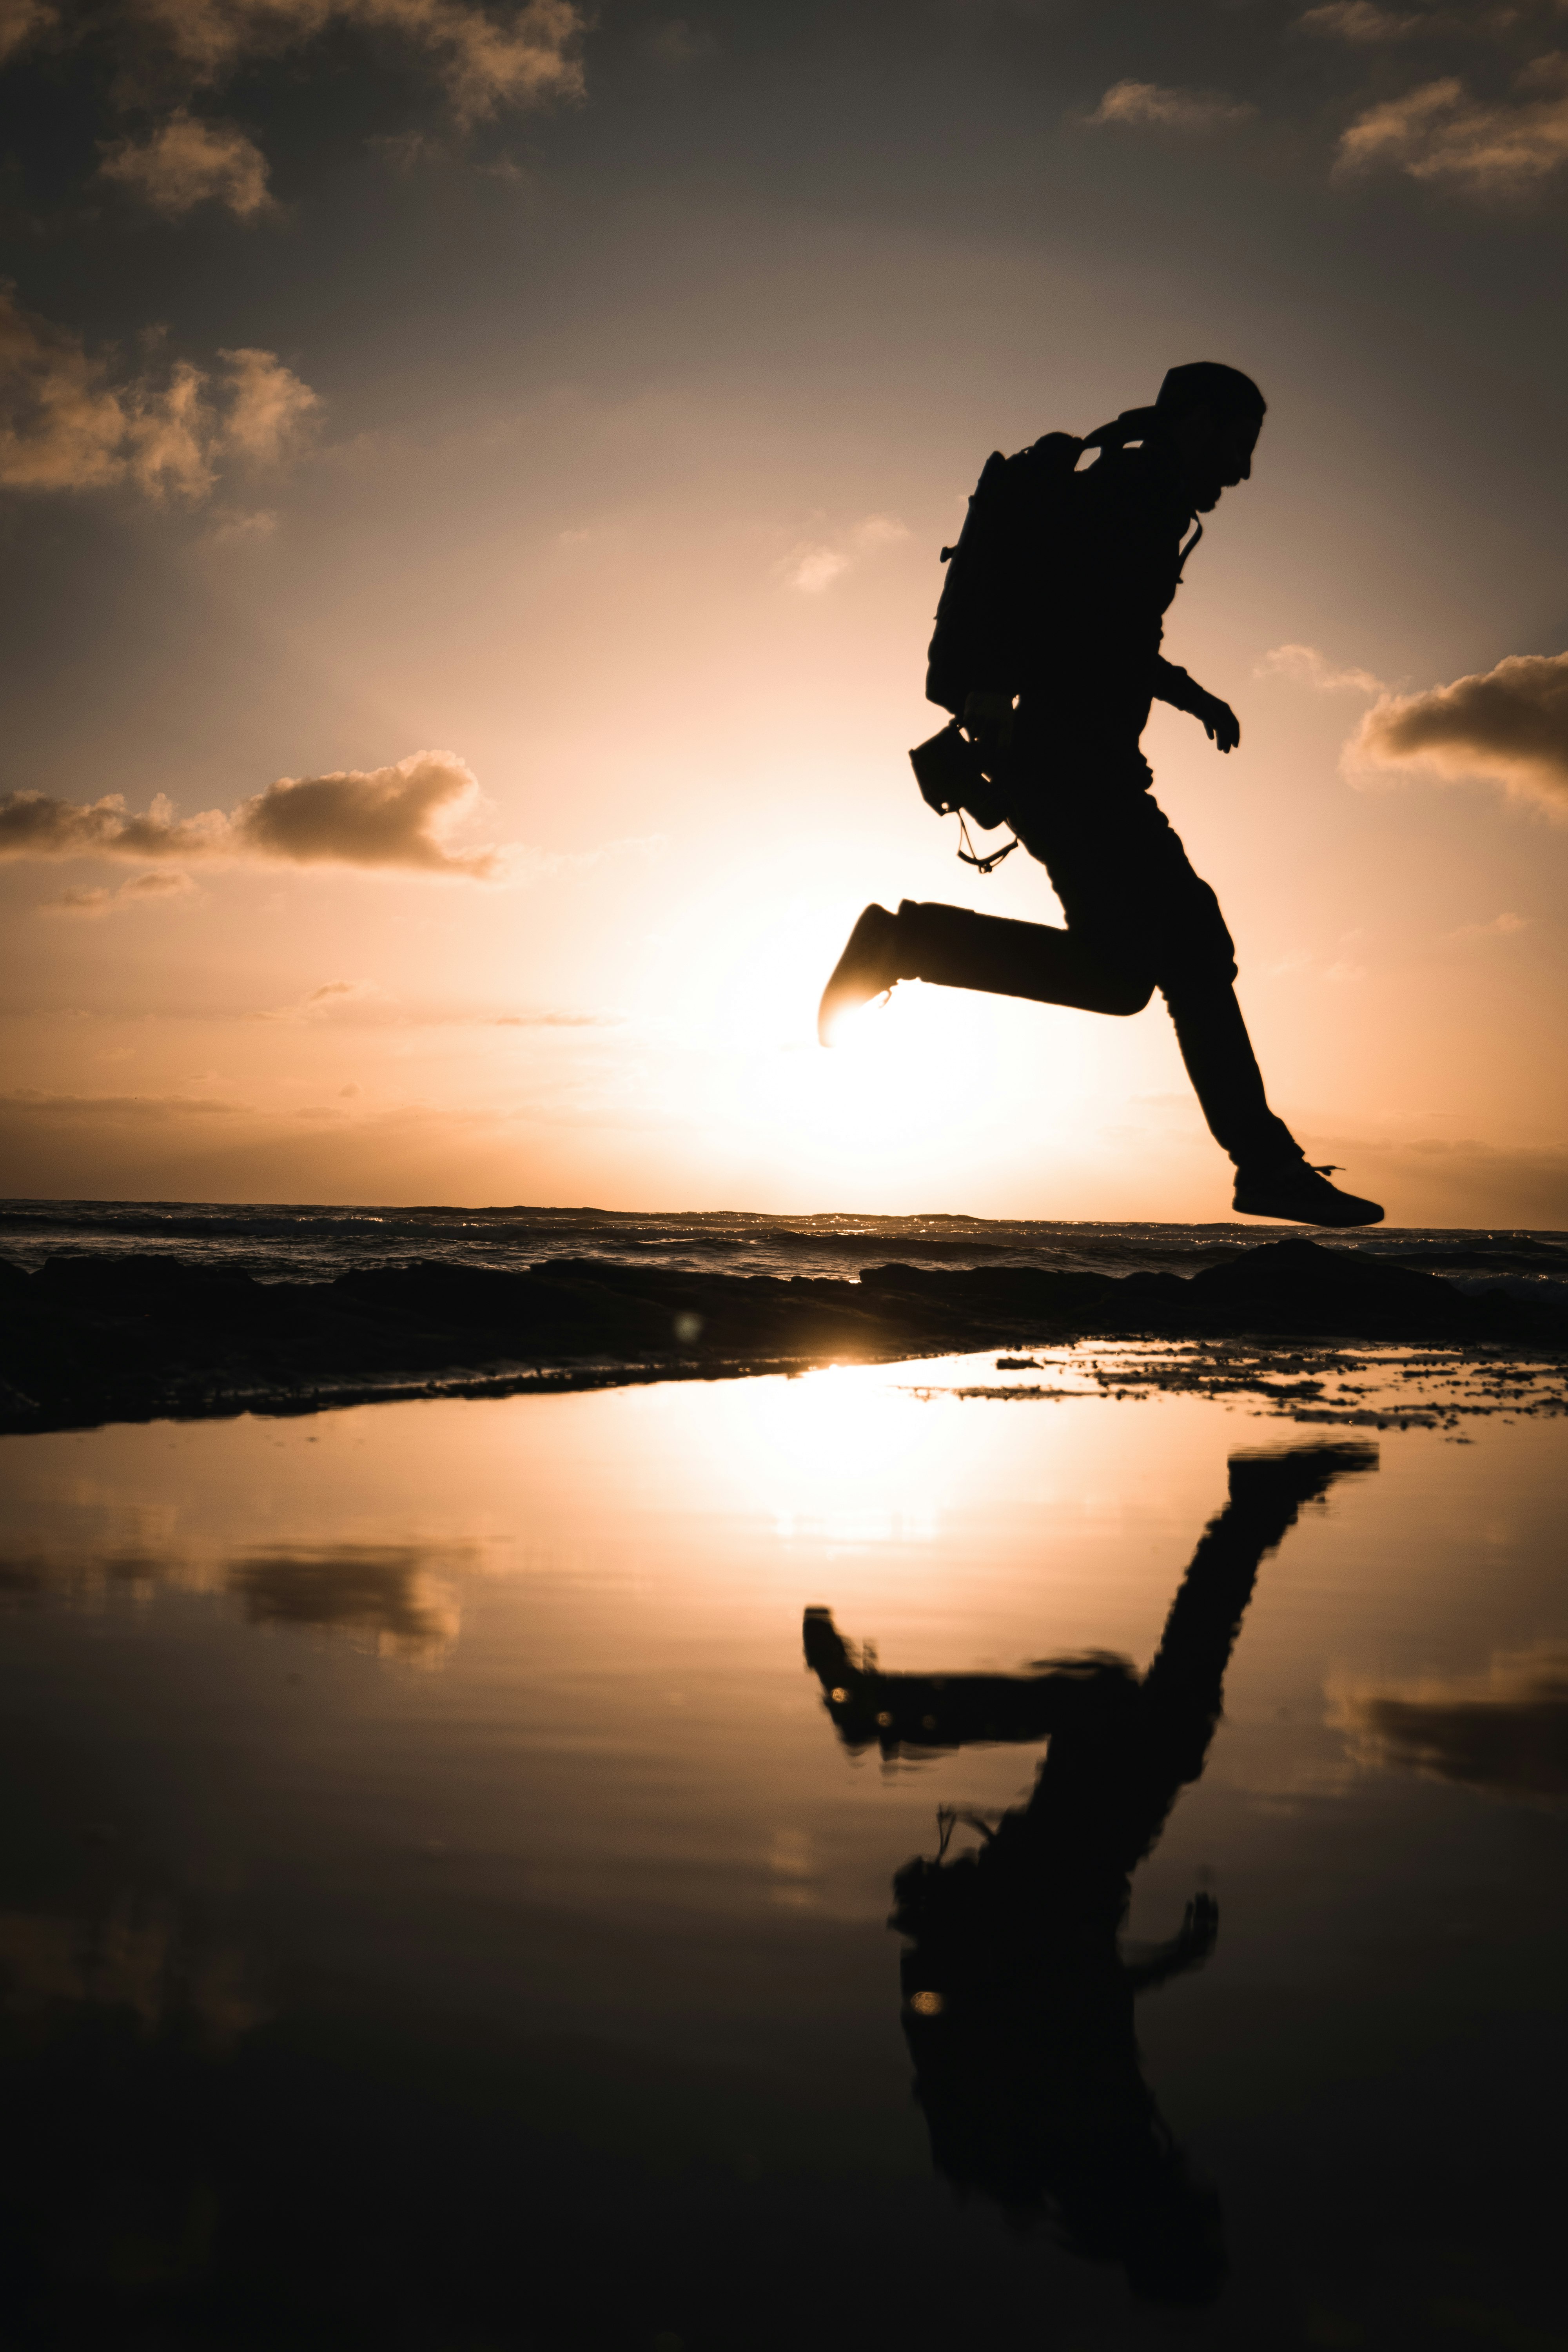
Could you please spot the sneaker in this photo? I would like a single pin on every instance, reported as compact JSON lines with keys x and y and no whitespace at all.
{"x":869,"y":967}
{"x":1301,"y":1195}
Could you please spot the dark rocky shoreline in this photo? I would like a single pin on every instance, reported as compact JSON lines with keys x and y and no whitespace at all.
{"x":146,"y":1336}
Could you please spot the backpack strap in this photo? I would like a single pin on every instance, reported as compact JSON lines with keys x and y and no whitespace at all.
{"x":1132,"y":425}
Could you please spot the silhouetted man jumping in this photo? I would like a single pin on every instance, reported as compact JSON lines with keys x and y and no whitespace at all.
{"x":1057,"y":725}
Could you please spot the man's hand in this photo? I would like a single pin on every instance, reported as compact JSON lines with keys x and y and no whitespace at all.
{"x":988,"y":720}
{"x":1220,"y":723}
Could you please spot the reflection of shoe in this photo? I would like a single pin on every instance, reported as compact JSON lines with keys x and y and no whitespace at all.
{"x":869,"y":967}
{"x":1302,"y":1475}
{"x":849,"y":1687}
{"x":826,"y":1653}
{"x":1302,"y":1195}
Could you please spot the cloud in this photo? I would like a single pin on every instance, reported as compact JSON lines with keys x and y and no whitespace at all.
{"x":676,"y":43}
{"x":335,"y":992}
{"x":68,"y":423}
{"x":557,"y":1021}
{"x":1501,"y":926}
{"x":1356,"y":20}
{"x":484,"y":60}
{"x":33,"y":825}
{"x":1308,"y":667}
{"x":813,"y":565}
{"x":1509,"y":725}
{"x":185,"y":163}
{"x":382,"y":1590}
{"x":139,"y":890}
{"x":31,"y":1102}
{"x":358,"y":999}
{"x":19,"y":20}
{"x":1506,"y":1730}
{"x":241,"y":527}
{"x":1440,"y":132}
{"x":267,"y":407}
{"x":393,"y":817}
{"x":365,"y":1003}
{"x":1144,"y":105}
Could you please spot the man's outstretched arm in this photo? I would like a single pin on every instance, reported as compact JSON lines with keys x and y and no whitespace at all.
{"x":1173,"y":685}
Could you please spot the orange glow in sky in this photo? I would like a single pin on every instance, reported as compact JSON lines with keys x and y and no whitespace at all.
{"x":590,"y":435}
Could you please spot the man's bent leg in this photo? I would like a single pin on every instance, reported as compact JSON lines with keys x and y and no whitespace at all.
{"x":953,"y":948}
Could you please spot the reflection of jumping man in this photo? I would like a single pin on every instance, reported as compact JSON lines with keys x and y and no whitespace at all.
{"x":1061,"y":581}
{"x":1017,"y":1998}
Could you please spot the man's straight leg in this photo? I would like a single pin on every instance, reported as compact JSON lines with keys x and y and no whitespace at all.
{"x":1128,"y":888}
{"x":1223,"y":1071}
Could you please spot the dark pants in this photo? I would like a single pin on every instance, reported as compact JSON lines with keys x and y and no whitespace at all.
{"x":1138,"y":919}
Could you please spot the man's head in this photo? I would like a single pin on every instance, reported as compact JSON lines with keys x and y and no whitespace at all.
{"x":1212,"y":417}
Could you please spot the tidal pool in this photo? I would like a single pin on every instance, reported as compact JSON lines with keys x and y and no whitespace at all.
{"x":441,"y":1907}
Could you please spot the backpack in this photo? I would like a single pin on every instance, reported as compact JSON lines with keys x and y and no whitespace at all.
{"x":992,"y":609}
{"x":999,"y":573}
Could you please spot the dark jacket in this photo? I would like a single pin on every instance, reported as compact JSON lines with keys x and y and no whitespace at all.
{"x":1109,"y":580}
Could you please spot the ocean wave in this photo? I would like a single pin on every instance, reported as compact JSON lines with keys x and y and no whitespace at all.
{"x":315,"y":1241}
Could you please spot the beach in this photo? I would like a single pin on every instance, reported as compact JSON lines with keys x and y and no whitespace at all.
{"x":127,"y":1312}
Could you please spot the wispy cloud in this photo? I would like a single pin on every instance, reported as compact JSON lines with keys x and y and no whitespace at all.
{"x":1357,"y":21}
{"x":19,"y":20}
{"x":364,"y":1003}
{"x":678,"y":43}
{"x":1501,"y":926}
{"x":244,"y":528}
{"x":1507,"y":725}
{"x":1307,"y":666}
{"x":555,"y":1021}
{"x":1145,"y":105}
{"x":69,"y":420}
{"x":1486,"y":147}
{"x":32,"y":1102}
{"x":484,"y":60}
{"x":814,"y":564}
{"x":336,"y":998}
{"x":185,"y":163}
{"x":137,"y":891}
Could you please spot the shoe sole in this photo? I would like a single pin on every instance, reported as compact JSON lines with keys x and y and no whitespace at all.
{"x":1320,"y":1224}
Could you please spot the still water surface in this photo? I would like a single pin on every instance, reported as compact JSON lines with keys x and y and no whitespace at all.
{"x":440,"y":1908}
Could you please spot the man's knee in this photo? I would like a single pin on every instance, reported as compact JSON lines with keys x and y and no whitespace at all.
{"x":1125,"y":993}
{"x":1198,"y":949}
{"x":1119,"y":979}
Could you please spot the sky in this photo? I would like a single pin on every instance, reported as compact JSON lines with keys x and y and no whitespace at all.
{"x":471,"y":482}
